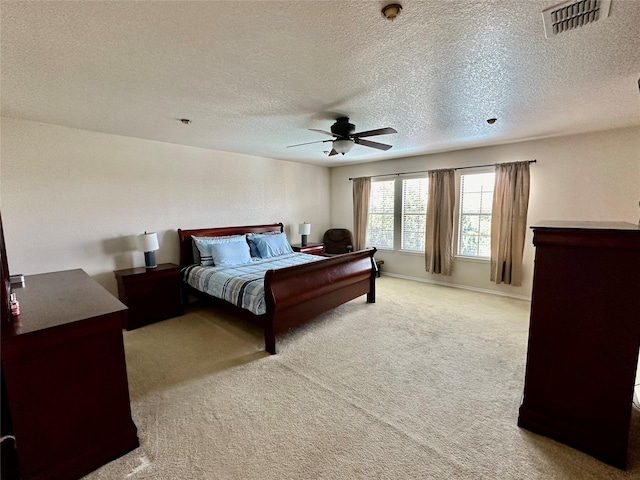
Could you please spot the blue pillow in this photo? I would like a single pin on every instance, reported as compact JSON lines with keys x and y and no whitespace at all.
{"x":252,"y":244}
{"x":202,"y":247}
{"x":230,"y":253}
{"x":272,"y":245}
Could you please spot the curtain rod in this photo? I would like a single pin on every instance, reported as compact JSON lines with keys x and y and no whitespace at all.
{"x":426,"y":171}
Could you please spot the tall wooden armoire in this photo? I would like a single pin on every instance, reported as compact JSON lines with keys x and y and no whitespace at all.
{"x":584,"y":336}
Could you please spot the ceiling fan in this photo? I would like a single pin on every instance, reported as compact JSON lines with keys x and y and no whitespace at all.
{"x":344,"y":138}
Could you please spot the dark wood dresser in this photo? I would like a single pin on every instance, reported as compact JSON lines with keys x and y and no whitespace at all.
{"x":65,"y":377}
{"x":584,"y":336}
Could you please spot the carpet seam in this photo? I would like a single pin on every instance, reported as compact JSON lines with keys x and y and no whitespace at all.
{"x":370,"y":414}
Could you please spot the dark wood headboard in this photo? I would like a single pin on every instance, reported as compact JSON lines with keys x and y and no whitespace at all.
{"x":184,"y":236}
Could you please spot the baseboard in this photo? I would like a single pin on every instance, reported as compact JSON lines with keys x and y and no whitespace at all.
{"x":456,"y":285}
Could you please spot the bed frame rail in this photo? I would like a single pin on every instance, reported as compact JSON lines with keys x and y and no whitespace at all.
{"x":300,"y":293}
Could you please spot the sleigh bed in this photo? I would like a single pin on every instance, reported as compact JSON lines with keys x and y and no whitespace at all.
{"x":295,"y":294}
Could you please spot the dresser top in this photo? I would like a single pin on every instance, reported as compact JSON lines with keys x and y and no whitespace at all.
{"x":584,"y":225}
{"x":52,"y":299}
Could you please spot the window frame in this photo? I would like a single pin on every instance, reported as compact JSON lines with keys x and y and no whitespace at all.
{"x":397,"y":213}
{"x":458,"y":213}
{"x":395,"y":192}
{"x":400,"y":209}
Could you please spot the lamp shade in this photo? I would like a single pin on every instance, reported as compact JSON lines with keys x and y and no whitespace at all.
{"x":342,"y":146}
{"x":304,"y":229}
{"x":148,"y":242}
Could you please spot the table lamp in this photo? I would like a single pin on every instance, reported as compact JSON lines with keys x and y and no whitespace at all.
{"x":304,"y":229}
{"x":148,"y":243}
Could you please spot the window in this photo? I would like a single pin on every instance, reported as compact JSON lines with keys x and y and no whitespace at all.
{"x":381,"y":208}
{"x":398,"y":209}
{"x":414,"y":213}
{"x":476,"y":201}
{"x":398,"y":214}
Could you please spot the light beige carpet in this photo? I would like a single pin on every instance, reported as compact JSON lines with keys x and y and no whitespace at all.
{"x":424,"y":384}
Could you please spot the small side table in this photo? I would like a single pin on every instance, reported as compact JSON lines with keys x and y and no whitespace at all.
{"x":310,"y":248}
{"x":152,"y":294}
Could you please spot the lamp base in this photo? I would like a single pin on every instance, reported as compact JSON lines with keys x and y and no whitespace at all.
{"x":304,"y":240}
{"x":150,"y":260}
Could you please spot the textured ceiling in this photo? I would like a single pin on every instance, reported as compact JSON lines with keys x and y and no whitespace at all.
{"x":253,"y":77}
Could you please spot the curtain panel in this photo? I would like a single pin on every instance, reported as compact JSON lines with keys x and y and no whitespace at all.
{"x":509,"y":222}
{"x":439,"y":232}
{"x":361,"y":195}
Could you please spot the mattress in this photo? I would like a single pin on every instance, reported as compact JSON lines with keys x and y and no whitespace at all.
{"x":242,"y":285}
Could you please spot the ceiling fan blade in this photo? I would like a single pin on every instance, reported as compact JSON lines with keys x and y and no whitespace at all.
{"x":371,"y":133}
{"x":333,"y":152}
{"x":308,"y":143}
{"x":369,"y":143}
{"x":322,"y":131}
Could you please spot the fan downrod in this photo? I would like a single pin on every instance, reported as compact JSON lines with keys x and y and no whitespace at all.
{"x":342,"y":128}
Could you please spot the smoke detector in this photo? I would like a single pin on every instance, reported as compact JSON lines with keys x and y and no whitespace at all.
{"x":391,"y":11}
{"x":573,"y":14}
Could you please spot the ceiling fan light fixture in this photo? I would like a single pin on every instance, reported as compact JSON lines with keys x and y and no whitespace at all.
{"x":342,"y":145}
{"x":391,"y":11}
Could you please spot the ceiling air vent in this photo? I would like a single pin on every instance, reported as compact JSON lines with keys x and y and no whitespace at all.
{"x":573,"y":14}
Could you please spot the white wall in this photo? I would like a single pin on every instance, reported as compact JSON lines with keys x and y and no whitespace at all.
{"x":595,"y":176}
{"x":73,"y":198}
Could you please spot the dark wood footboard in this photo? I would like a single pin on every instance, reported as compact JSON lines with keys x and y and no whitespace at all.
{"x":295,"y":295}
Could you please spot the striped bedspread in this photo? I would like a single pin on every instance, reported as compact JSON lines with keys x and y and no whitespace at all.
{"x":242,"y":285}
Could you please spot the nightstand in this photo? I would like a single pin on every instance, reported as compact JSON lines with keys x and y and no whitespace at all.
{"x":152,"y":294}
{"x":310,"y":248}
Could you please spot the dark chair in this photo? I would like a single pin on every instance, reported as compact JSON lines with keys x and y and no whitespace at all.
{"x":337,"y":241}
